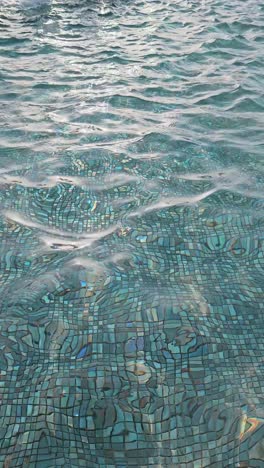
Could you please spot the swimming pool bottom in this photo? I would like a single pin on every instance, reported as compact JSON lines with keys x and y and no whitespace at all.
{"x":145,"y":349}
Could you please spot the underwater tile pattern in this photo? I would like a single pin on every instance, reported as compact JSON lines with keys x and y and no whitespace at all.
{"x":131,"y":227}
{"x":152,"y":356}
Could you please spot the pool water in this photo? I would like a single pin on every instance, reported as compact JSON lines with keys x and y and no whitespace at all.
{"x":131,"y":224}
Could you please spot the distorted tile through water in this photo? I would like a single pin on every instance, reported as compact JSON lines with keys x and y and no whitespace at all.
{"x":131,"y":228}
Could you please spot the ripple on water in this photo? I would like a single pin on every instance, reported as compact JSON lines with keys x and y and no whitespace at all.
{"x":131,"y":226}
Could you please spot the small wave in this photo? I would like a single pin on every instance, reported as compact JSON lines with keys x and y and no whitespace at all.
{"x":59,"y":239}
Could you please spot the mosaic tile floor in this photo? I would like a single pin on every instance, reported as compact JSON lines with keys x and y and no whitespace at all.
{"x":146,"y":347}
{"x":131,"y":253}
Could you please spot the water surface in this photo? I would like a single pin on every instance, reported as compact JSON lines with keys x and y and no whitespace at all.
{"x":131,"y":224}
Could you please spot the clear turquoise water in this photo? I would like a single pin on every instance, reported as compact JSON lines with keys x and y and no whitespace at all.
{"x":131,"y":224}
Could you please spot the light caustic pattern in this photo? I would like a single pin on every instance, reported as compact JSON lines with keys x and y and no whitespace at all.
{"x":131,"y":225}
